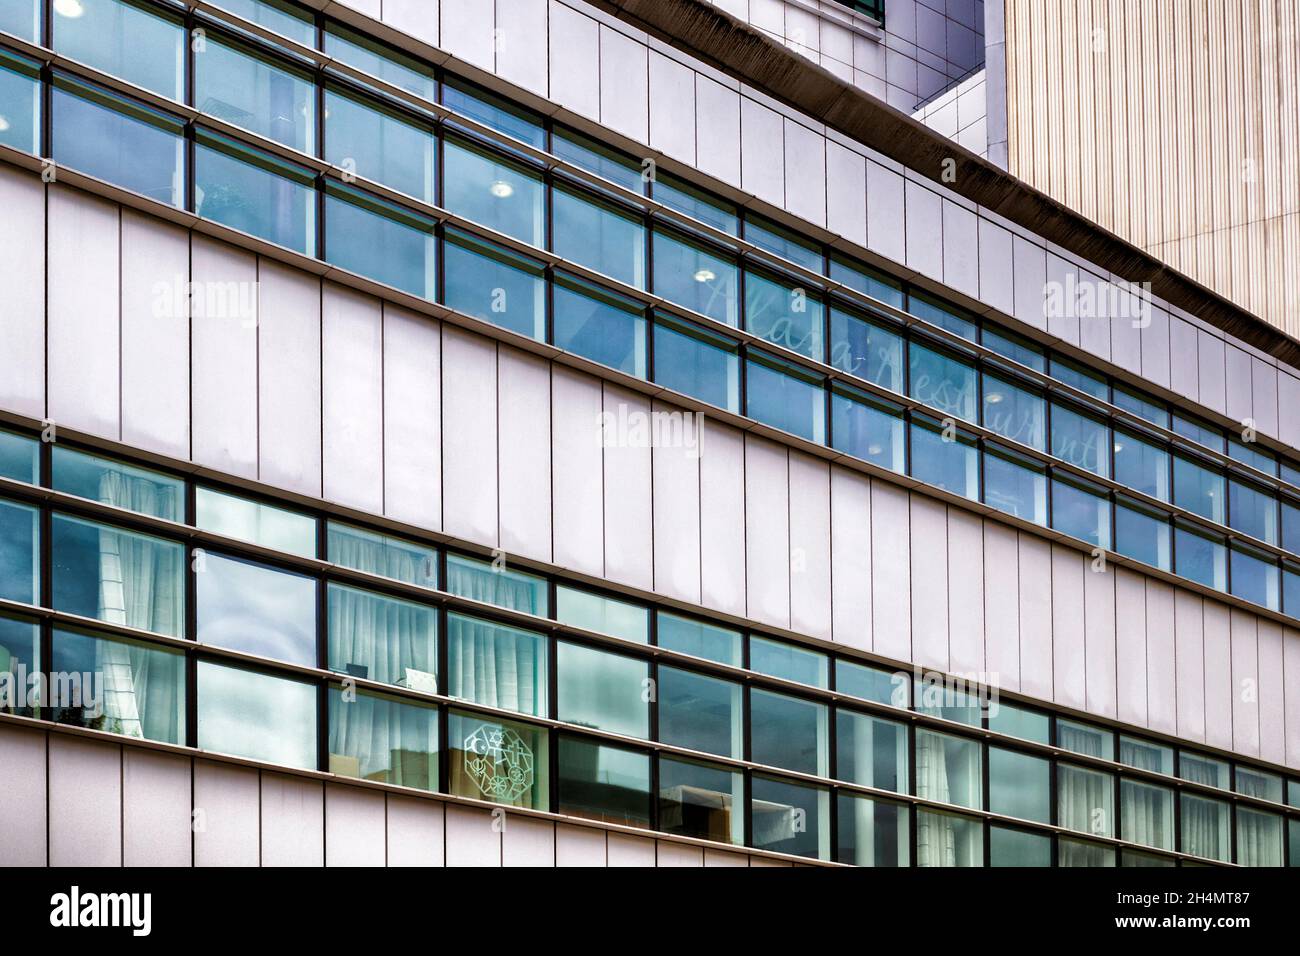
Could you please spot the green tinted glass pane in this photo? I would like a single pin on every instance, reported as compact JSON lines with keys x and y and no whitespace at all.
{"x":484,"y":581}
{"x":604,"y":615}
{"x":383,"y":739}
{"x":948,"y":769}
{"x":700,"y":713}
{"x":788,"y":732}
{"x":701,"y":800}
{"x":872,"y":832}
{"x":257,"y":716}
{"x":1085,"y":800}
{"x":258,"y":522}
{"x":948,"y":839}
{"x":383,"y":555}
{"x":603,"y":691}
{"x":1008,"y":847}
{"x":872,"y":683}
{"x":1020,"y":785}
{"x":133,"y":41}
{"x":791,"y":817}
{"x":698,"y":638}
{"x":496,"y":665}
{"x":870,"y":751}
{"x":118,"y":484}
{"x":601,"y":782}
{"x":788,"y":662}
{"x":1146,"y":814}
{"x":1019,"y":722}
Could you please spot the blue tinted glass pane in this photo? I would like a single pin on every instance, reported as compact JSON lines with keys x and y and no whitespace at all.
{"x":20,"y":652}
{"x":778,"y":659}
{"x":127,"y":40}
{"x":604,"y":615}
{"x":20,"y":96}
{"x":1253,"y":510}
{"x":1201,"y":557}
{"x":1141,"y":465}
{"x":599,"y":325}
{"x":686,"y":199}
{"x":491,"y":283}
{"x":19,"y":552}
{"x":493,"y":584}
{"x":788,"y":732}
{"x":114,"y":483}
{"x":1253,"y":455}
{"x":1014,"y":412}
{"x":864,"y":280}
{"x":602,"y":691}
{"x":697,"y":364}
{"x":1199,"y":432}
{"x":382,"y":739}
{"x":118,"y":141}
{"x":18,"y":457}
{"x":941,"y":381}
{"x":688,"y":636}
{"x":376,"y":637}
{"x":776,"y":803}
{"x":1199,"y":489}
{"x":146,"y":697}
{"x":1142,"y":536}
{"x":1291,"y":589}
{"x":1255,"y":577}
{"x":599,"y":237}
{"x":1291,"y":525}
{"x":277,"y":16}
{"x":866,"y":349}
{"x":370,"y":57}
{"x":1015,"y":485}
{"x":258,"y":716}
{"x":701,"y":800}
{"x":944,"y":316}
{"x":233,"y":84}
{"x":494,"y":192}
{"x":1014,"y":348}
{"x":380,"y":241}
{"x":496,"y":665}
{"x":784,"y":314}
{"x":872,"y":683}
{"x":1139,"y":405}
{"x":379,"y":145}
{"x":950,"y":465}
{"x":255,"y":193}
{"x":866,"y":429}
{"x":21,"y":18}
{"x":1085,"y":381}
{"x":787,"y":245}
{"x":780,"y":397}
{"x":1081,"y":440}
{"x":692,"y":276}
{"x":494,"y":112}
{"x":257,"y":609}
{"x":1081,"y":512}
{"x":871,"y":752}
{"x":701,"y":713}
{"x":599,"y":159}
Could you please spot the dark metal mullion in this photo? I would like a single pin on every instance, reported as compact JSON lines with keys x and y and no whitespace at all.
{"x":322,"y":646}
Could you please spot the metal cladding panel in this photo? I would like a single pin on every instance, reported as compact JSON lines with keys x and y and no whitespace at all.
{"x":419,"y":18}
{"x":574,"y":60}
{"x":1211,"y":371}
{"x":1245,"y":683}
{"x":923,"y":228}
{"x":1099,"y":640}
{"x":1063,"y":277}
{"x":23,"y":797}
{"x":352,"y":346}
{"x":1155,"y":346}
{"x":467,"y":31}
{"x":22,"y":255}
{"x":1238,"y":387}
{"x":629,"y":512}
{"x":1189,"y":664}
{"x":723,"y":858}
{"x":528,"y":842}
{"x":1291,"y":682}
{"x":624,"y":85}
{"x":1184,"y":361}
{"x":851,"y":558}
{"x":929,"y":586}
{"x":623,"y":849}
{"x":293,"y":821}
{"x":585,"y":846}
{"x":961,"y":249}
{"x":966,"y":590}
{"x":676,"y":480}
{"x":85,"y":802}
{"x":804,"y":162}
{"x":846,"y":193}
{"x":810,"y":546}
{"x":722,"y":518}
{"x":416,"y":831}
{"x":996,"y":272}
{"x":227,"y":815}
{"x":1030,"y":265}
{"x":83,"y":336}
{"x":672,"y":107}
{"x":354,"y":827}
{"x":1272,"y":693}
{"x":678,"y":854}
{"x":1002,"y":614}
{"x":469,"y":436}
{"x":885,"y":212}
{"x":1035,"y":617}
{"x":1288,"y":398}
{"x":289,"y":379}
{"x":1264,"y":397}
{"x":1069,"y":650}
{"x":1219,"y":695}
{"x":578,"y":471}
{"x":762,"y":151}
{"x":717,"y":129}
{"x":891,"y":600}
{"x":521,"y":58}
{"x":1131,"y":646}
{"x":524,"y":446}
{"x":412,"y":418}
{"x":156,"y":821}
{"x":767,"y":531}
{"x":473,"y":838}
{"x":1162,"y":683}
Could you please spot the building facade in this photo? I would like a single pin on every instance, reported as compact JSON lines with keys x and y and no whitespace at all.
{"x":540,"y":432}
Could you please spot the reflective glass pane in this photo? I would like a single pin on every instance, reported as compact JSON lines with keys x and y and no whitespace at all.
{"x":698,"y":638}
{"x":1253,"y":455}
{"x":1259,"y":838}
{"x":20,"y":658}
{"x":701,"y":800}
{"x":1153,"y":411}
{"x":1008,"y":847}
{"x":494,"y":192}
{"x":1141,"y":465}
{"x":1019,"y":722}
{"x":687,"y":199}
{"x":484,"y":581}
{"x":602,"y":326}
{"x":1199,"y":489}
{"x":1147,"y":814}
{"x":118,"y":686}
{"x":784,"y":243}
{"x":1201,"y":556}
{"x":1081,"y":510}
{"x":255,"y":193}
{"x":866,"y":349}
{"x":868,"y":429}
{"x":1291,"y":525}
{"x":788,"y":732}
{"x":948,"y":839}
{"x":494,"y":112}
{"x":867,"y":281}
{"x":380,"y":240}
{"x":383,"y":739}
{"x":385,"y":639}
{"x":1080,"y":378}
{"x":20,"y":569}
{"x":19,"y":457}
{"x":1142,"y":534}
{"x":378,"y":143}
{"x":256,"y":609}
{"x":118,"y":576}
{"x":950,"y":698}
{"x":128,"y":40}
{"x":597,"y":158}
{"x":1253,"y":510}
{"x":700,"y":713}
{"x":237,"y":85}
{"x":383,"y":555}
{"x":257,"y":716}
{"x":1015,"y":484}
{"x":693,"y":276}
{"x":1258,"y":783}
{"x":1081,"y":440}
{"x":779,"y":659}
{"x":496,"y":665}
{"x":1014,"y":347}
{"x":948,"y":769}
{"x":872,"y":683}
{"x":951,"y":465}
{"x":942,"y":315}
{"x":1202,"y":769}
{"x":1146,"y":755}
{"x":791,"y":817}
{"x":116,"y":483}
{"x":379,"y":61}
{"x":257,"y":522}
{"x":499,"y":760}
{"x":603,"y":691}
{"x":1256,"y":578}
{"x":1204,"y":825}
{"x":870,"y":751}
{"x":492,"y":283}
{"x":784,"y":314}
{"x":1014,"y":412}
{"x":599,"y":236}
{"x":692,"y":361}
{"x":1086,"y":740}
{"x":1020,"y":785}
{"x":600,"y":782}
{"x":941,"y":381}
{"x":872,"y":832}
{"x":785,"y":396}
{"x":1085,"y":800}
{"x":22,"y":18}
{"x":1198,"y":431}
{"x":604,"y":615}
{"x":20,"y":99}
{"x":1083,"y":853}
{"x":1135,"y":858}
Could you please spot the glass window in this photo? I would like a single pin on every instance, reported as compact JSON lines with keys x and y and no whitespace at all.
{"x":118,"y":576}
{"x":499,"y":585}
{"x":370,"y":56}
{"x":378,"y":143}
{"x":1015,"y":484}
{"x":603,"y":615}
{"x":940,"y":696}
{"x":19,"y":458}
{"x":118,"y":484}
{"x":1259,"y":838}
{"x":680,"y":195}
{"x":1199,"y":432}
{"x":867,"y":281}
{"x":787,"y":732}
{"x":1147,"y":814}
{"x":1141,"y":465}
{"x":256,"y":609}
{"x":1014,"y":347}
{"x":1010,"y":847}
{"x":20,"y":569}
{"x":490,"y":282}
{"x":1014,"y":721}
{"x":1014,"y":412}
{"x":784,"y":314}
{"x":951,"y":464}
{"x":1155,"y":412}
{"x":941,"y":381}
{"x":1291,"y":525}
{"x":600,"y":325}
{"x":257,"y":522}
{"x":948,"y":769}
{"x":257,"y":716}
{"x":494,"y":192}
{"x":22,"y":18}
{"x":597,"y":158}
{"x":1083,"y":853}
{"x":872,"y":683}
{"x":697,"y":638}
{"x":276,"y":15}
{"x":866,"y":349}
{"x":791,"y":817}
{"x":1142,"y":533}
{"x":1081,"y":509}
{"x":237,"y":85}
{"x":784,"y":243}
{"x":1020,"y":785}
{"x":1080,"y":439}
{"x":948,"y":839}
{"x":129,"y":688}
{"x":128,"y":40}
{"x":701,"y":800}
{"x":383,"y":555}
{"x":700,"y":713}
{"x":1205,"y":827}
{"x":600,"y":782}
{"x":384,"y":639}
{"x":942,"y":315}
{"x":1146,"y":755}
{"x":785,"y":396}
{"x":20,"y":100}
{"x":496,"y":665}
{"x":20,"y":657}
{"x":1258,"y":783}
{"x":383,"y":739}
{"x":1199,"y":768}
{"x":695,"y":362}
{"x":694,"y":277}
{"x":380,"y":240}
{"x":1199,"y":489}
{"x":1135,"y":858}
{"x":1291,"y":589}
{"x":867,"y":428}
{"x":1078,"y":377}
{"x":1085,"y":800}
{"x":1252,"y":455}
{"x":255,"y":193}
{"x":603,"y":691}
{"x":1255,"y":577}
{"x":1201,"y":556}
{"x":1082,"y":739}
{"x":872,"y":832}
{"x":779,"y":659}
{"x":494,"y":112}
{"x":499,"y":760}
{"x":1253,"y":510}
{"x":117,"y":140}
{"x":599,"y":236}
{"x":870,"y":751}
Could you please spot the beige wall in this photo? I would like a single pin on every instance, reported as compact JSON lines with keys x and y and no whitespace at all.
{"x":1174,"y":123}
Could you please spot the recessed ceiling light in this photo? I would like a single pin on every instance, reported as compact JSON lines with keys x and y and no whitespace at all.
{"x":501,"y":189}
{"x":993,"y":397}
{"x":705,"y":275}
{"x":874,"y":449}
{"x":4,"y":124}
{"x":69,"y":8}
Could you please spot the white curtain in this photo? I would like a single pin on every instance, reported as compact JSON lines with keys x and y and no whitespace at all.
{"x":379,"y":638}
{"x":936,"y":839}
{"x":494,"y":665}
{"x":1147,"y":811}
{"x":377,"y":739}
{"x":1204,"y":821}
{"x":1259,"y":835}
